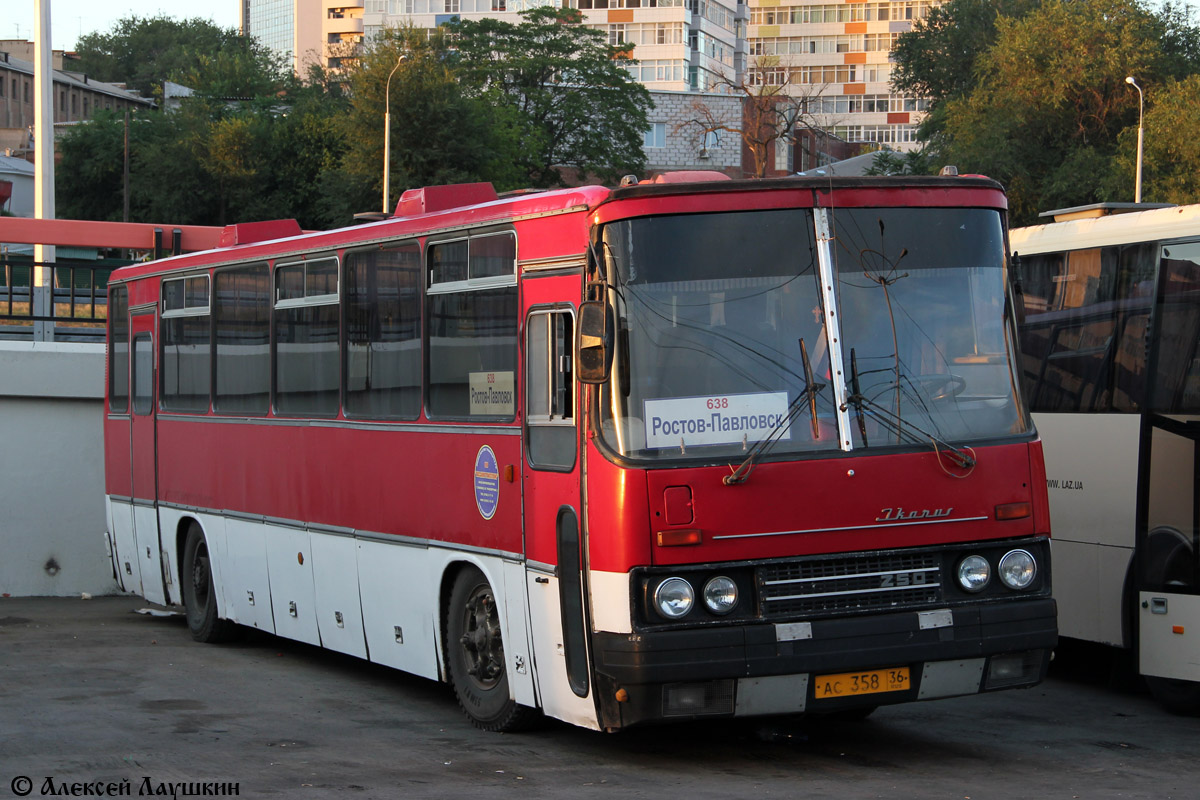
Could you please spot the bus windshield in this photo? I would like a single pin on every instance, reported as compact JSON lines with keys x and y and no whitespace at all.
{"x":723,"y":337}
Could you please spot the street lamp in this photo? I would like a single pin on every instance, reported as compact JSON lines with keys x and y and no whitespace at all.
{"x":387,"y":133}
{"x":1137,"y":181}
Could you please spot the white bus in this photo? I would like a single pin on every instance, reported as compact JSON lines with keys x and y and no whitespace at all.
{"x":1110,"y":367}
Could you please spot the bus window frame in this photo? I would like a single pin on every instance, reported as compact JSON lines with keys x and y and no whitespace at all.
{"x":550,"y":421}
{"x":471,"y":285}
{"x":177,"y":313}
{"x":304,"y":301}
{"x":344,"y":340}
{"x":214,"y":385}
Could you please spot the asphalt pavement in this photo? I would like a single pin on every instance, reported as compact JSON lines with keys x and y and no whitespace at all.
{"x":98,"y":700}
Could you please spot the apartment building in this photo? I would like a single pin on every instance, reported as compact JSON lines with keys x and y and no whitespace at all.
{"x":832,"y":56}
{"x":293,"y":29}
{"x":680,"y":45}
{"x":836,"y":57}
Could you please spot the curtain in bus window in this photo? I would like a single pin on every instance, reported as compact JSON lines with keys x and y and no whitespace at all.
{"x":383,"y":333}
{"x":448,"y":262}
{"x":1177,"y":377}
{"x":473,"y":354}
{"x":118,"y":350}
{"x":1084,"y":338}
{"x":493,"y":256}
{"x":241,"y":327}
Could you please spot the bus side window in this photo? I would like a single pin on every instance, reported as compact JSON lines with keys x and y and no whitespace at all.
{"x":382,"y":353}
{"x":472,"y":316}
{"x":118,"y":350}
{"x":1083,"y":341}
{"x":1177,"y":382}
{"x":550,"y":413}
{"x":241,"y":314}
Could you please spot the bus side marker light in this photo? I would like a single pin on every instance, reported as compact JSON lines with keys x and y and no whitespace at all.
{"x":622,"y":696}
{"x":678,"y":538}
{"x":1013,"y":511}
{"x":508,"y":473}
{"x":1177,"y":629}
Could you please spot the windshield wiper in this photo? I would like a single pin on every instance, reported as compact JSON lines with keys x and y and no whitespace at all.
{"x":809,"y":393}
{"x":961,"y":457}
{"x":856,"y":397}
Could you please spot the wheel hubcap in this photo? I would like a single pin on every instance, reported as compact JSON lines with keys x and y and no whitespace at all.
{"x":200,"y":576}
{"x":483,"y":651}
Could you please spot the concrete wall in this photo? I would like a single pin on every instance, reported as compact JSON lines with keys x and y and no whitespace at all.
{"x":684,"y":140}
{"x":52,"y":470}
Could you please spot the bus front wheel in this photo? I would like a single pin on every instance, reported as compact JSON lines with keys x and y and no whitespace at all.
{"x":200,"y":592}
{"x":475,"y":653}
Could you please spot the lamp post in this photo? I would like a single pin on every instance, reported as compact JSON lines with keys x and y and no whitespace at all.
{"x":1137,"y":181}
{"x":387,"y":133}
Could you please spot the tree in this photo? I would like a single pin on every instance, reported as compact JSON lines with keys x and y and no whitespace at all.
{"x":1171,"y":161}
{"x":769,"y":112}
{"x":1050,"y":100}
{"x":142,"y":52}
{"x":560,"y":89}
{"x":914,"y":162}
{"x":936,"y":59}
{"x":438,"y":133}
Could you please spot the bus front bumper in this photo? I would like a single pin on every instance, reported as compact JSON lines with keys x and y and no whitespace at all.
{"x":826,"y":665}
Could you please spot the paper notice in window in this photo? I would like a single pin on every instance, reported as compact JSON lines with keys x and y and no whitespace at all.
{"x":492,"y":394}
{"x":715,"y":419}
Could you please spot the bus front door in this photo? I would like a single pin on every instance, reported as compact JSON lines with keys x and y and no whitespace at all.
{"x":143,"y":461}
{"x":556,"y":558}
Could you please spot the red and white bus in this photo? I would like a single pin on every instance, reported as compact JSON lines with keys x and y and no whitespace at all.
{"x":681,"y":449}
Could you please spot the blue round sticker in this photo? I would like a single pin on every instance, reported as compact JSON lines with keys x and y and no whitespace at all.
{"x":487,"y":482}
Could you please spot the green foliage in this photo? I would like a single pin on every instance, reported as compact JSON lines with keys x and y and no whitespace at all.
{"x":438,"y":134}
{"x":142,"y":52}
{"x":915,"y":162}
{"x":205,"y":164}
{"x":568,"y":100}
{"x":936,"y":60}
{"x":510,"y":104}
{"x":1049,"y":100}
{"x":1171,"y":158}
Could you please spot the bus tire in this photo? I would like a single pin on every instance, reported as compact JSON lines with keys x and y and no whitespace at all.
{"x":475,"y":654}
{"x":200,"y":592}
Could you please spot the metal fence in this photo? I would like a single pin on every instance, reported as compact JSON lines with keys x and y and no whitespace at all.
{"x":72,"y":303}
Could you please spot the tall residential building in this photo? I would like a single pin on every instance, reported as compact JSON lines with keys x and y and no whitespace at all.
{"x":681,"y":44}
{"x":292,"y":29}
{"x":837,"y":56}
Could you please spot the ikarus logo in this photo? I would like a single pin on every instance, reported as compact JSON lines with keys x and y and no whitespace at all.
{"x":899,"y":514}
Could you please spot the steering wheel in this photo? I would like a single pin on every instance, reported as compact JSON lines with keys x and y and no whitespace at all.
{"x":941,"y":386}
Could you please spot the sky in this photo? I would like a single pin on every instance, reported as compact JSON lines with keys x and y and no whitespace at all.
{"x":69,"y":19}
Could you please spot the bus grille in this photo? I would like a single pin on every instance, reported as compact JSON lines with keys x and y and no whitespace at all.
{"x":875,"y":582}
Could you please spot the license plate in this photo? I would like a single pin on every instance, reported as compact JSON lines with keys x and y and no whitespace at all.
{"x":856,"y":684}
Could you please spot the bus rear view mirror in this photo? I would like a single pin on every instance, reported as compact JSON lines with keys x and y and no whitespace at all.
{"x":595,"y":341}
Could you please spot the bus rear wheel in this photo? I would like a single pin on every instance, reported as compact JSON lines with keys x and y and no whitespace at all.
{"x":200,"y":592}
{"x":475,"y":651}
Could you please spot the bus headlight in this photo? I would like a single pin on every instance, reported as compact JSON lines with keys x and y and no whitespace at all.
{"x":720,"y":595}
{"x":1017,"y":569}
{"x":674,"y":598}
{"x":974,"y":572}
